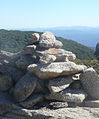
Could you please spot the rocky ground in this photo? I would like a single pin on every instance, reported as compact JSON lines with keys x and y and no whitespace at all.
{"x":43,"y":82}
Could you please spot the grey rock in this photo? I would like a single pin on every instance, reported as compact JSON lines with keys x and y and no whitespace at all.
{"x":58,"y":84}
{"x":60,"y":54}
{"x":57,"y":44}
{"x":57,"y":105}
{"x":35,"y":38}
{"x":48,"y":40}
{"x":8,"y":65}
{"x":16,"y":74}
{"x":8,"y":110}
{"x":76,"y":84}
{"x":13,"y":72}
{"x":68,"y":95}
{"x":5,"y":82}
{"x":47,"y":59}
{"x":7,"y":58}
{"x":41,"y":86}
{"x":55,"y":69}
{"x":5,"y":101}
{"x":90,"y":81}
{"x":62,"y":113}
{"x":24,"y":61}
{"x":68,"y":113}
{"x":64,"y":55}
{"x":24,"y":87}
{"x":7,"y":106}
{"x":91,"y":103}
{"x":29,"y":49}
{"x":32,"y":100}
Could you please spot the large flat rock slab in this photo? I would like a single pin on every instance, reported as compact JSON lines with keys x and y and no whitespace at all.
{"x":55,"y":69}
{"x":60,"y":54}
{"x":45,"y":113}
{"x":70,"y":113}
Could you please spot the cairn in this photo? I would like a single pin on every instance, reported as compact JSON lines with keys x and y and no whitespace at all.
{"x":44,"y":72}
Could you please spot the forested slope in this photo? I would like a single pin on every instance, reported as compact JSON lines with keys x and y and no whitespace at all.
{"x":14,"y":41}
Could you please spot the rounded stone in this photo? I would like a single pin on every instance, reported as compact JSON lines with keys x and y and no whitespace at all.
{"x":24,"y":87}
{"x":90,"y":81}
{"x":35,"y":38}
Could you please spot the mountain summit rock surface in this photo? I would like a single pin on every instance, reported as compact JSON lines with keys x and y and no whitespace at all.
{"x":43,"y":82}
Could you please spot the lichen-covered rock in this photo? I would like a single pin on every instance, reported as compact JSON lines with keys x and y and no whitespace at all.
{"x":90,"y":82}
{"x":68,"y":95}
{"x":47,"y":59}
{"x":48,"y":40}
{"x":6,"y":82}
{"x":58,"y":84}
{"x":32,"y":100}
{"x":35,"y":38}
{"x":55,"y":69}
{"x":60,"y":54}
{"x":24,"y":87}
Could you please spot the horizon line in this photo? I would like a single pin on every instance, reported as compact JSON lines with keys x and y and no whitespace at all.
{"x":49,"y":27}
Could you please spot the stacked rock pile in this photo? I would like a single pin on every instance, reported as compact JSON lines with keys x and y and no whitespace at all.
{"x":53,"y":68}
{"x":45,"y":72}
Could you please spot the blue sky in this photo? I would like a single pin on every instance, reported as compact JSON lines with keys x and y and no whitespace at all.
{"x":48,"y":13}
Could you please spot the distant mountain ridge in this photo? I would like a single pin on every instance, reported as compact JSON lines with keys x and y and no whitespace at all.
{"x":88,"y":36}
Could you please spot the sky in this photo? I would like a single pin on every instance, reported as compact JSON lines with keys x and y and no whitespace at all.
{"x":48,"y":13}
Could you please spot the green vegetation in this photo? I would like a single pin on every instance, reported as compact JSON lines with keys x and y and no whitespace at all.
{"x":97,"y":51}
{"x":14,"y":41}
{"x":90,"y":63}
{"x":81,"y":51}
